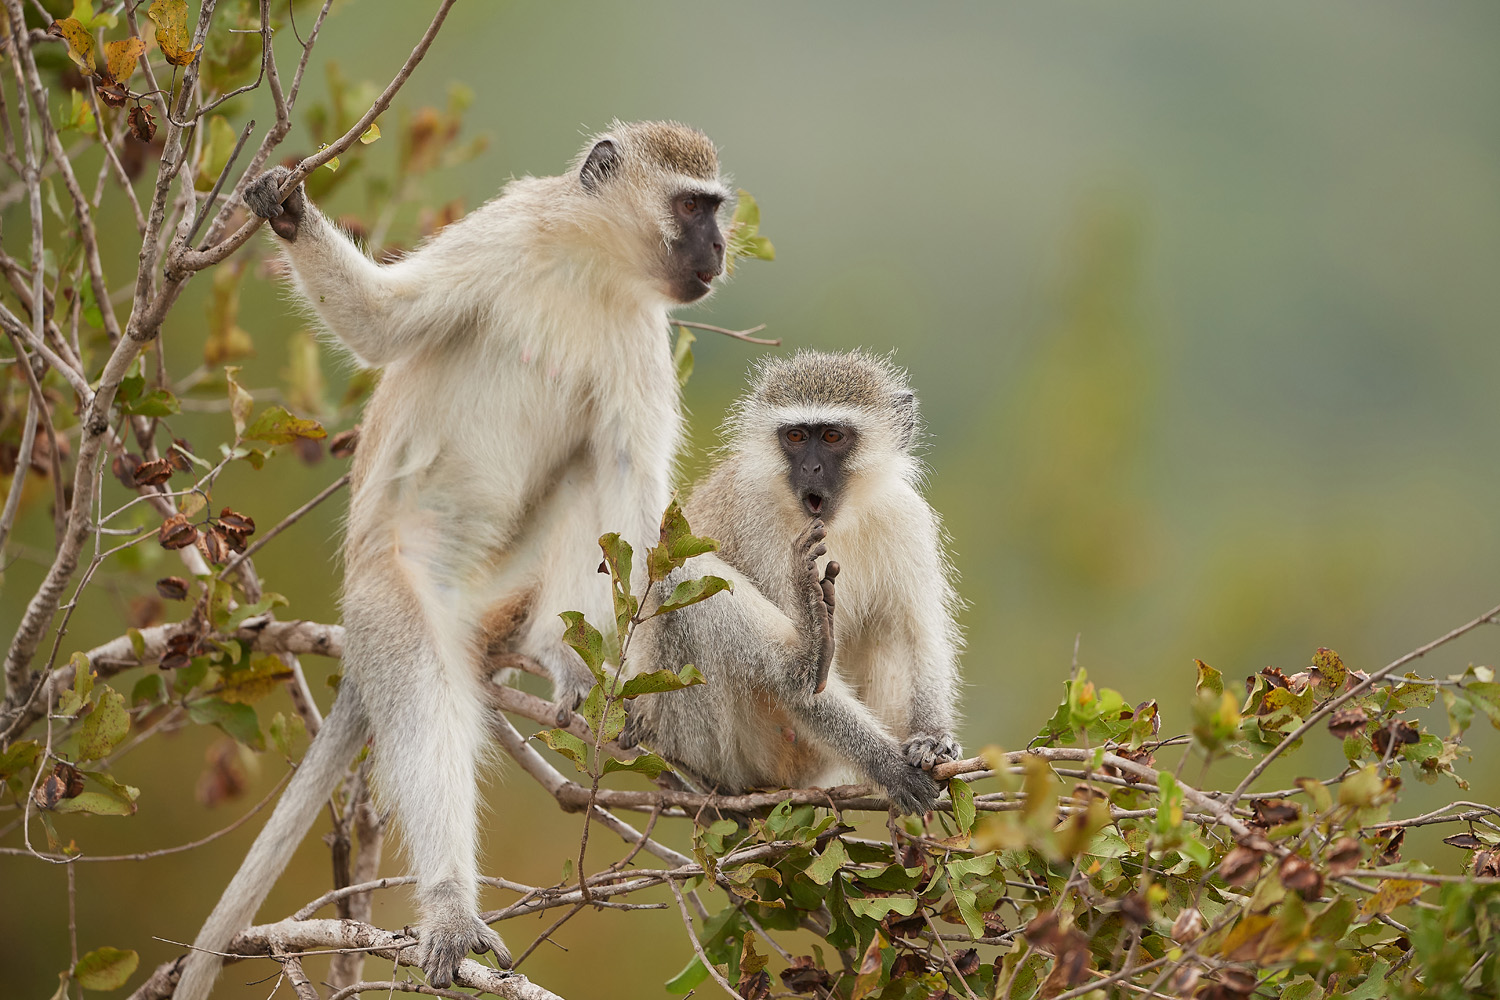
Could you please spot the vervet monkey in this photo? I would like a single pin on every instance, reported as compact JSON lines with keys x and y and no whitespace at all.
{"x":819,"y":461}
{"x":529,"y":404}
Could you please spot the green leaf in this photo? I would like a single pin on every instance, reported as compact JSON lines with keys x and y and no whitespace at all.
{"x":96,"y":804}
{"x":880,"y":907}
{"x":219,"y":143}
{"x":965,"y":899}
{"x":744,"y":233}
{"x":276,"y":426}
{"x":83,"y":12}
{"x":682,"y":355}
{"x":80,"y":118}
{"x":77,"y":696}
{"x":157,"y":403}
{"x":661,"y":680}
{"x":691,"y":592}
{"x":676,"y":545}
{"x":618,"y":557}
{"x":828,"y":863}
{"x":285,"y":730}
{"x":105,"y":727}
{"x":688,"y":979}
{"x":236,"y":720}
{"x":612,"y":722}
{"x":370,"y":134}
{"x":105,"y":968}
{"x":568,"y":745}
{"x":245,"y":612}
{"x":647,"y":763}
{"x":586,"y":641}
{"x":22,"y":756}
{"x":963,"y":804}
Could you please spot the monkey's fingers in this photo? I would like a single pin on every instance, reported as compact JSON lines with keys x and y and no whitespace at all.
{"x":829,"y":573}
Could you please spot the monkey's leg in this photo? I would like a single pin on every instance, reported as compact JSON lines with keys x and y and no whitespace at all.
{"x":420,"y":672}
{"x":341,"y":736}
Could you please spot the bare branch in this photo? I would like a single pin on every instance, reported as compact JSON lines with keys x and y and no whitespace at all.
{"x":190,"y":260}
{"x":736,"y":334}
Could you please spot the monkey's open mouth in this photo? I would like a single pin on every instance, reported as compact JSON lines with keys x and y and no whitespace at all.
{"x":814,"y":504}
{"x":707,"y":277}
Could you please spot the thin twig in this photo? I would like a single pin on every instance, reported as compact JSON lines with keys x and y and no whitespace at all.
{"x":736,"y":334}
{"x":285,"y":523}
{"x":687,"y":921}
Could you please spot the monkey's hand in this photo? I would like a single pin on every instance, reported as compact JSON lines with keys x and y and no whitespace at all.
{"x":928,"y":750}
{"x":263,"y":196}
{"x":443,"y":943}
{"x":818,"y":591}
{"x":910,"y":789}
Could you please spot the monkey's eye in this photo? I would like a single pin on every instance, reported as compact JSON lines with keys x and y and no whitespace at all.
{"x":688,"y":205}
{"x":796,"y":435}
{"x":833,"y":436}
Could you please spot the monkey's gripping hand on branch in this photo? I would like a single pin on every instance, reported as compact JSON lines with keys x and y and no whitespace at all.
{"x":928,"y":750}
{"x":263,"y":196}
{"x":819,"y":595}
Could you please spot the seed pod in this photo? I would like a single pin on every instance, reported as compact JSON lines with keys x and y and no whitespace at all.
{"x":153,"y":473}
{"x":142,"y":123}
{"x":214,"y":546}
{"x":177,"y":533}
{"x":173,"y":588}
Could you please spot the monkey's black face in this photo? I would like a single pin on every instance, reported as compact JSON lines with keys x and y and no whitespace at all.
{"x":696,"y":257}
{"x":815,"y":464}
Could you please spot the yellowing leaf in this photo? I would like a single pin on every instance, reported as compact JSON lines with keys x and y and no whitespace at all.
{"x":170,"y":17}
{"x":105,"y":968}
{"x":105,"y":727}
{"x":120,"y":59}
{"x":80,"y":42}
{"x":1391,"y":894}
{"x":276,"y":426}
{"x":370,"y":134}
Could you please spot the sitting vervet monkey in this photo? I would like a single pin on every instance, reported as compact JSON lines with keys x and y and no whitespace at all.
{"x":529,"y":404}
{"x":819,"y":463}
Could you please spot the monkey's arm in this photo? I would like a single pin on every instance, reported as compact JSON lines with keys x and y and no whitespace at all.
{"x":382,"y":312}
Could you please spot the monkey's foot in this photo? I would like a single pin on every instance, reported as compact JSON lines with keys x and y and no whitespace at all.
{"x":442,"y":946}
{"x":928,"y":750}
{"x":263,"y":197}
{"x":568,"y":693}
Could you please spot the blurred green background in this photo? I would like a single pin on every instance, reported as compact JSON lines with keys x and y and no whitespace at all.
{"x":1199,"y":300}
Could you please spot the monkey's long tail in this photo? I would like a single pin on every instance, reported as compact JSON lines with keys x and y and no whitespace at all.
{"x":340,"y":737}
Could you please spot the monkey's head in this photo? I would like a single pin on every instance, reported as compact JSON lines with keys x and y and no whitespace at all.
{"x":829,"y":426}
{"x":661,"y":180}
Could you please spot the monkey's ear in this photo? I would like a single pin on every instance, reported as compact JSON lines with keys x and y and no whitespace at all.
{"x":601,"y":162}
{"x":905,"y":403}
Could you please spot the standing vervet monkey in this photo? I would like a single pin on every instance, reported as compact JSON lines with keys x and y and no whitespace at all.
{"x":819,"y":461}
{"x":529,"y":404}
